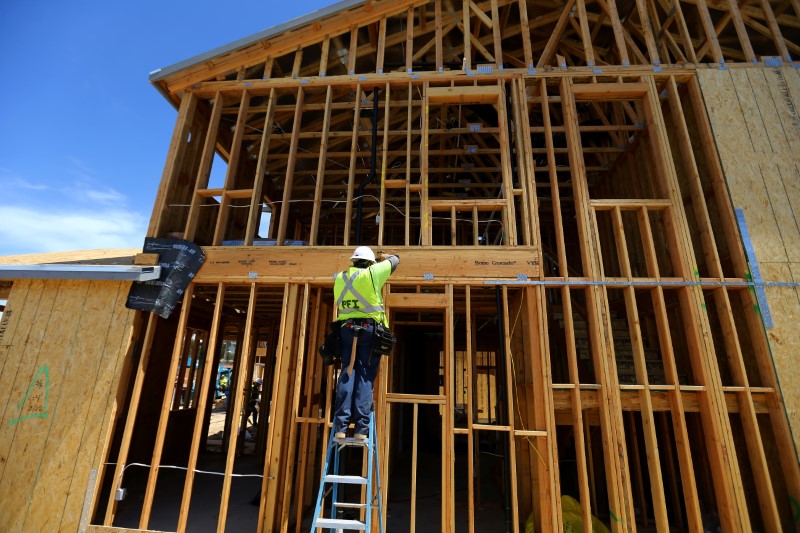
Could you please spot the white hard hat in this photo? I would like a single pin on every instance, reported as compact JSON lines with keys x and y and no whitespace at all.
{"x":363,"y":252}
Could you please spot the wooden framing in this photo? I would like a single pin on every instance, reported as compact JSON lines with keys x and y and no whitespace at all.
{"x":561,"y":183}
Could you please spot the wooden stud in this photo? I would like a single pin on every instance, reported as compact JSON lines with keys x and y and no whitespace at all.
{"x":203,"y":173}
{"x":585,"y":33}
{"x":498,"y":40}
{"x":324,"y":54}
{"x":777,"y":38}
{"x":552,"y":44}
{"x":711,"y":34}
{"x":465,"y":29}
{"x":351,"y":58}
{"x":127,"y":434}
{"x":258,"y":183}
{"x":439,"y":44}
{"x":409,"y":107}
{"x":244,"y":362}
{"x":232,"y":171}
{"x":183,"y":515}
{"x":166,"y":402}
{"x":509,"y":212}
{"x":512,"y":445}
{"x":287,"y":190}
{"x":640,"y":365}
{"x":425,"y":215}
{"x":298,"y":61}
{"x":409,"y":47}
{"x":729,"y":496}
{"x":741,"y":31}
{"x":352,"y":170}
{"x":615,"y":455}
{"x":272,"y":467}
{"x":323,"y":156}
{"x":381,"y":46}
{"x":177,"y":147}
{"x":384,"y":162}
{"x":525,"y":33}
{"x":293,"y":413}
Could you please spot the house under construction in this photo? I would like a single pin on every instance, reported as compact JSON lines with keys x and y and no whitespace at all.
{"x":594,"y":205}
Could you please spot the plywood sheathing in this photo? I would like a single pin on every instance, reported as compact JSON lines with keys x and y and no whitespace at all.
{"x":62,"y":353}
{"x":754,"y":115}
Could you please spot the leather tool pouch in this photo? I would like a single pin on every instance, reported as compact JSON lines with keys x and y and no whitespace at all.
{"x":383,"y":340}
{"x":331,"y":349}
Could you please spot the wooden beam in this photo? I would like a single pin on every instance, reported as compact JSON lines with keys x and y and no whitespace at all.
{"x":166,"y":404}
{"x":287,"y":188}
{"x":177,"y":148}
{"x":585,"y":33}
{"x":231,"y":173}
{"x":608,"y":91}
{"x":741,"y":31}
{"x":552,"y":43}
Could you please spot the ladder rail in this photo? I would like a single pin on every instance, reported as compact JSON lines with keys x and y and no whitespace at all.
{"x":332,"y":455}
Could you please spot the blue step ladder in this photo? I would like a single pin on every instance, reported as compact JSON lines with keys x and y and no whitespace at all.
{"x":330,"y":485}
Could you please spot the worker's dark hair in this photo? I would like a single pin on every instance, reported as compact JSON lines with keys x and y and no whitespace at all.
{"x":362,"y":263}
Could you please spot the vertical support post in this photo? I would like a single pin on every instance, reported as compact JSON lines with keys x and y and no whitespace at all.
{"x":127,"y":433}
{"x":352,"y":174}
{"x":177,"y":148}
{"x":245,"y":362}
{"x":203,"y":173}
{"x":384,"y":158}
{"x":323,"y":156}
{"x":261,"y":169}
{"x":290,"y":164}
{"x":166,"y":403}
{"x":233,"y":169}
{"x":425,"y":213}
{"x":188,"y":484}
{"x":467,"y":41}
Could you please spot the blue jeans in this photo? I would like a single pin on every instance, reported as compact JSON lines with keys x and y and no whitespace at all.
{"x":354,"y":392}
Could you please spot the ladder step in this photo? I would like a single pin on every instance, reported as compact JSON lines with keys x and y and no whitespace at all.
{"x":350,"y":480}
{"x":338,"y":523}
{"x":350,"y":441}
{"x":346,"y":505}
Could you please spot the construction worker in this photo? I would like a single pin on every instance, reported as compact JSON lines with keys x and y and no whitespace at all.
{"x":359,"y":301}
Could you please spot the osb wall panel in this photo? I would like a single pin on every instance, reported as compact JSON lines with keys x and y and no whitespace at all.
{"x":62,"y":344}
{"x":754,"y":115}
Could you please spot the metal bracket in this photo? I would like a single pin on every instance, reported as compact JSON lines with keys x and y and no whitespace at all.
{"x":362,"y":78}
{"x":252,"y":275}
{"x":304,"y":81}
{"x":427,"y":276}
{"x":772,"y":61}
{"x":522,"y":277}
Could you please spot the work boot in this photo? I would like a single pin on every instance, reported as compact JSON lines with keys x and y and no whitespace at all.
{"x":359,"y":436}
{"x":340,"y":435}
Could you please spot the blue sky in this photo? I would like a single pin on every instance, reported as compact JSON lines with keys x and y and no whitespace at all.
{"x":83,"y":134}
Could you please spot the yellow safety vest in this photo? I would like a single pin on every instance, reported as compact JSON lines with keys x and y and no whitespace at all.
{"x":357,"y":292}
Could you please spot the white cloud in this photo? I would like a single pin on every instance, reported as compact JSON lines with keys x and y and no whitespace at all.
{"x":108,"y":196}
{"x":11,"y":181}
{"x":28,"y":230}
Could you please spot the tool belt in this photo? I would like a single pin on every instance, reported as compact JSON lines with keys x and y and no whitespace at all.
{"x":331,"y":349}
{"x":383,"y":340}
